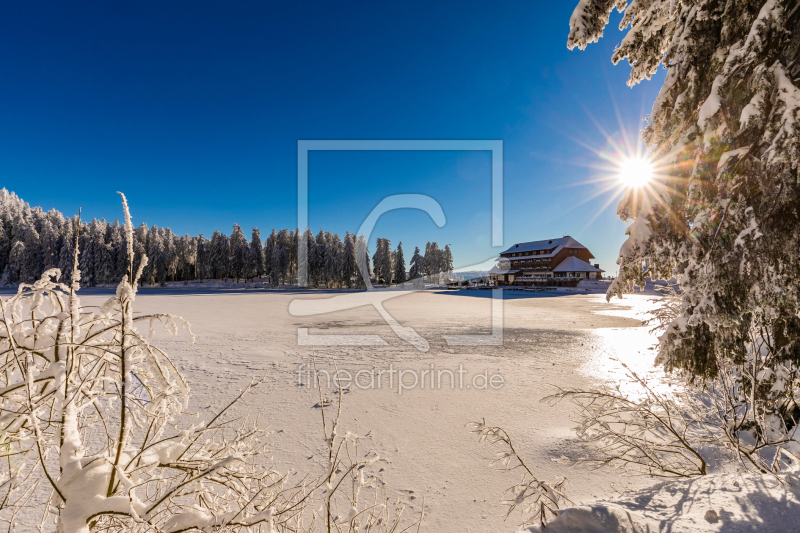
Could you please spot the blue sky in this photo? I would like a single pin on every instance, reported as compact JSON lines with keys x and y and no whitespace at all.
{"x":194,"y":110}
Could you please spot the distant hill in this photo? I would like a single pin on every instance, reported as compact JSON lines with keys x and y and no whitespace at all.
{"x":470,"y":274}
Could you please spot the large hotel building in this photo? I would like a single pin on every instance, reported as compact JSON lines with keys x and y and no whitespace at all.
{"x":562,"y":261}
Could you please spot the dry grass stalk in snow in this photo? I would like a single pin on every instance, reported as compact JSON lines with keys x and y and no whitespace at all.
{"x":344,"y":507}
{"x":95,"y":438}
{"x":537,"y":500}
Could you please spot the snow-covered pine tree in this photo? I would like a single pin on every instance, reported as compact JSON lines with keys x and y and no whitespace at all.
{"x":238,"y":252}
{"x":386,"y":261}
{"x":5,"y":245}
{"x":311,"y":252}
{"x":121,"y":259}
{"x":433,"y":261}
{"x":257,"y":253}
{"x":106,"y":269}
{"x":317,"y":263}
{"x":202,"y":268}
{"x":67,"y":251}
{"x":723,"y":215}
{"x":142,"y":245}
{"x":332,"y":257}
{"x":294,"y":245}
{"x":157,"y":257}
{"x":349,"y":259}
{"x":428,"y":260}
{"x":280,"y":258}
{"x":269,"y":250}
{"x":399,"y":265}
{"x":362,"y":262}
{"x":187,"y":256}
{"x":15,"y":261}
{"x":218,"y":253}
{"x":417,"y":265}
{"x":171,"y":260}
{"x":49,"y":242}
{"x":377,"y":260}
{"x":32,"y":261}
{"x":447,"y":259}
{"x":86,"y":243}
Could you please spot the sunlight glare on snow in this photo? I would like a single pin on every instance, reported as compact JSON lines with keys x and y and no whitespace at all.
{"x":631,"y":346}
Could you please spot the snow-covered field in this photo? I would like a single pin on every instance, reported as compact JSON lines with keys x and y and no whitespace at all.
{"x":426,"y":454}
{"x":420,"y":434}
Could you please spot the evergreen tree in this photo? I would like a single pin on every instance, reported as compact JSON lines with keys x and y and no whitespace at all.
{"x":317,"y":262}
{"x":399,"y":265}
{"x":386,"y":261}
{"x":284,"y":255}
{"x":279,"y":258}
{"x":362,"y":262}
{"x":722,"y":214}
{"x":269,"y":250}
{"x":171,"y":257}
{"x":311,"y":246}
{"x":238,"y":252}
{"x":86,"y":262}
{"x":377,"y":260}
{"x":427,"y":260}
{"x":349,"y":259}
{"x":447,"y":261}
{"x":332,"y":256}
{"x":15,"y":261}
{"x":202,"y":266}
{"x":67,"y":251}
{"x":219,"y":255}
{"x":293,"y":244}
{"x":32,"y":261}
{"x":6,"y":278}
{"x":105,"y":267}
{"x":5,"y":245}
{"x":256,"y":254}
{"x":122,"y":259}
{"x":49,"y":244}
{"x":157,"y":257}
{"x":417,"y":265}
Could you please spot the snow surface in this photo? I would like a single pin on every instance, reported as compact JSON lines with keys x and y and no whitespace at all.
{"x":560,"y":337}
{"x":554,"y":338}
{"x":716,"y":502}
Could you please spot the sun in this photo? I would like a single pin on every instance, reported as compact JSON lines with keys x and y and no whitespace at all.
{"x":636,"y":172}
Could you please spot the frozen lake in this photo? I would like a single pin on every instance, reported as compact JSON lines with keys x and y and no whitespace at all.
{"x":419,"y":433}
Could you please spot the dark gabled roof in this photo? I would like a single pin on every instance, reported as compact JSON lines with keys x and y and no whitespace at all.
{"x":533,"y":246}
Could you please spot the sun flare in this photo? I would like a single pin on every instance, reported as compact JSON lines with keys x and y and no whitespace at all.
{"x":636,"y":172}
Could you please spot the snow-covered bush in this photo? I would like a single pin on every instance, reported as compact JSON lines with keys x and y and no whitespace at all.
{"x":537,"y":501}
{"x":95,"y":437}
{"x":680,"y":433}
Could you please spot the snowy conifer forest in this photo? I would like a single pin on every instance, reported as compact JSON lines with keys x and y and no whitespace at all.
{"x":33,"y":241}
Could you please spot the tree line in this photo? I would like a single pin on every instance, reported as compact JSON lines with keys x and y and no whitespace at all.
{"x":32,"y":241}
